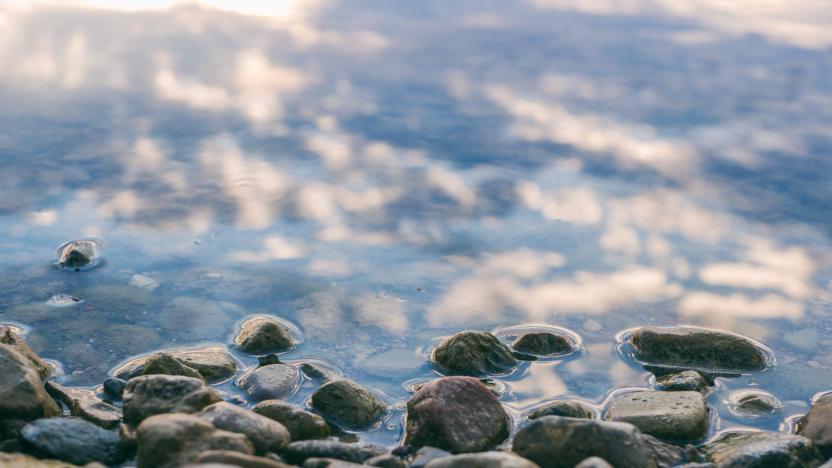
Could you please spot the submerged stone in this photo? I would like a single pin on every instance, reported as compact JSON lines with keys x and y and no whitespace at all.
{"x":667,"y":415}
{"x":269,"y":382}
{"x":753,"y":403}
{"x":82,"y":253}
{"x":543,"y":343}
{"x":302,"y":424}
{"x":817,"y":424}
{"x":688,"y":380}
{"x":348,"y":404}
{"x":568,"y":408}
{"x":265,"y":334}
{"x":474,"y":353}
{"x":72,"y":440}
{"x":761,"y":449}
{"x":148,"y":395}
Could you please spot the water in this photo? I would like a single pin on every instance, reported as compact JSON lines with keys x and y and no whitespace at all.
{"x":383,"y":174}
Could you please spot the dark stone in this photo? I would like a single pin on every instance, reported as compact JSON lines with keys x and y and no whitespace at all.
{"x":114,"y":387}
{"x":761,"y":449}
{"x":268,"y":359}
{"x":86,"y":404}
{"x":264,"y":334}
{"x":22,"y":395}
{"x":425,"y":455}
{"x":78,"y":254}
{"x":265,"y":434}
{"x":302,"y":425}
{"x":458,"y":414}
{"x":666,"y":415}
{"x":543,"y":343}
{"x":817,"y":424}
{"x":348,"y":404}
{"x":297,"y":452}
{"x":227,"y":457}
{"x":698,"y":348}
{"x":214,"y":363}
{"x":688,"y":380}
{"x":387,"y":460}
{"x":317,"y":372}
{"x":482,"y":460}
{"x":167,"y":364}
{"x":473,"y":353}
{"x":269,"y":382}
{"x":148,"y":395}
{"x":568,"y":408}
{"x":72,"y":440}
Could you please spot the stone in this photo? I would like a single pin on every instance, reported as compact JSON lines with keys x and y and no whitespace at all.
{"x":425,"y":455}
{"x":754,"y":403}
{"x":817,"y":424}
{"x":86,"y":405}
{"x":232,"y":458}
{"x":19,"y":460}
{"x":8,"y":336}
{"x":167,"y":364}
{"x":264,"y":334}
{"x":270,"y":382}
{"x":473,"y":353}
{"x":302,"y":425}
{"x":72,"y":440}
{"x":559,"y":442}
{"x":543,"y":343}
{"x":482,"y":460}
{"x":677,"y":416}
{"x":688,"y":380}
{"x":329,"y":463}
{"x":457,"y":414}
{"x":78,"y":254}
{"x":214,"y":363}
{"x":761,"y":449}
{"x":698,"y":348}
{"x":148,"y":395}
{"x":114,"y":387}
{"x":387,"y":460}
{"x":265,"y":434}
{"x":318,"y":372}
{"x":22,"y":394}
{"x":568,"y":408}
{"x":593,"y":462}
{"x":348,"y":404}
{"x":297,"y":452}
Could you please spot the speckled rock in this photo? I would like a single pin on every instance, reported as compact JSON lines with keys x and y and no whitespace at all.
{"x":817,"y":424}
{"x":22,"y":395}
{"x":667,"y":415}
{"x":265,"y":434}
{"x":214,"y":363}
{"x":348,"y":404}
{"x":458,"y":414}
{"x":297,"y":452}
{"x":688,"y":380}
{"x":543,"y":343}
{"x":72,"y":440}
{"x":228,"y":457}
{"x":148,"y":395}
{"x":473,"y":353}
{"x":482,"y":460}
{"x":270,"y":382}
{"x":264,"y":334}
{"x":302,"y":424}
{"x":86,"y":405}
{"x":761,"y":449}
{"x":568,"y":408}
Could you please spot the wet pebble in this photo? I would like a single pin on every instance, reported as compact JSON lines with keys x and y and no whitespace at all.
{"x":226,"y":458}
{"x":568,"y":408}
{"x":114,"y":387}
{"x":22,"y":394}
{"x":348,"y":404}
{"x":677,"y":416}
{"x":543,"y":344}
{"x":269,"y":382}
{"x":214,"y":363}
{"x":817,"y":424}
{"x":763,"y":449}
{"x":72,"y":440}
{"x":86,"y":405}
{"x":753,"y":403}
{"x":265,"y":334}
{"x":79,"y":254}
{"x":302,"y":424}
{"x":266,"y":435}
{"x":297,"y":452}
{"x":473,"y":353}
{"x":482,"y":460}
{"x":682,"y":381}
{"x":148,"y":395}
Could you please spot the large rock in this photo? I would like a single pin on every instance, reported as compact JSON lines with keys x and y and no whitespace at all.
{"x":173,"y":440}
{"x":568,"y":408}
{"x":214,"y":363}
{"x":297,"y":452}
{"x":474,"y":353}
{"x":348,"y":404}
{"x":270,"y":382}
{"x":265,"y":434}
{"x":482,"y":460}
{"x":698,"y":348}
{"x":72,"y":440}
{"x":761,"y":449}
{"x":543,"y":343}
{"x":817,"y":424}
{"x":9,"y":336}
{"x":458,"y":414}
{"x":676,"y":416}
{"x":22,"y":395}
{"x":227,"y":457}
{"x":148,"y":395}
{"x":86,"y":405}
{"x":302,"y":425}
{"x":264,"y":334}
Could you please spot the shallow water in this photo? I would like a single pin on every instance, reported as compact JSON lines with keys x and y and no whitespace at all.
{"x":383,"y":174}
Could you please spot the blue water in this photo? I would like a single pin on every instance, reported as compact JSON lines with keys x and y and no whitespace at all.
{"x":383,"y":174}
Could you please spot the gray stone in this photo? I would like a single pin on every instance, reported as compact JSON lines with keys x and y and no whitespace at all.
{"x":264,"y":334}
{"x":148,"y":395}
{"x":270,"y":382}
{"x":114,"y":387}
{"x":72,"y":440}
{"x":297,"y":452}
{"x":214,"y":363}
{"x":754,"y":403}
{"x":817,"y":424}
{"x":593,"y":462}
{"x":482,"y":460}
{"x":167,"y":364}
{"x":667,"y":415}
{"x":86,"y":405}
{"x":761,"y":449}
{"x":458,"y":414}
{"x":348,"y":404}
{"x":543,"y":343}
{"x":425,"y":455}
{"x":568,"y":408}
{"x":228,"y":457}
{"x":387,"y":460}
{"x":688,"y":380}
{"x":302,"y":425}
{"x":22,"y":395}
{"x":265,"y":434}
{"x":473,"y":353}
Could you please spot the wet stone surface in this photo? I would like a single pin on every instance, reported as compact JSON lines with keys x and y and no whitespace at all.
{"x":473,"y":353}
{"x":568,"y":408}
{"x":543,"y":343}
{"x":677,"y":416}
{"x":682,"y":381}
{"x":735,"y":449}
{"x":348,"y":404}
{"x":753,"y":403}
{"x":73,"y":440}
{"x":269,"y":382}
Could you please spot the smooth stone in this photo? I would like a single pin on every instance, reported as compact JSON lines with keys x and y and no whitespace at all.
{"x":688,"y":380}
{"x":167,"y":364}
{"x":473,"y":353}
{"x":78,"y":253}
{"x":270,"y":382}
{"x":173,"y":440}
{"x":543,"y":343}
{"x":265,"y":434}
{"x":214,"y":363}
{"x":425,"y":455}
{"x":482,"y":460}
{"x":86,"y":405}
{"x":297,"y":452}
{"x":8,"y":336}
{"x":19,"y":460}
{"x":667,"y":415}
{"x":817,"y":424}
{"x":387,"y":460}
{"x":302,"y":424}
{"x":232,"y":458}
{"x":568,"y":408}
{"x":72,"y":440}
{"x":754,"y":403}
{"x":317,"y":372}
{"x":347,"y":404}
{"x":22,"y":394}
{"x":593,"y":462}
{"x":148,"y":395}
{"x":458,"y":414}
{"x":698,"y":348}
{"x":329,"y":463}
{"x":114,"y":387}
{"x":761,"y":449}
{"x":264,"y":334}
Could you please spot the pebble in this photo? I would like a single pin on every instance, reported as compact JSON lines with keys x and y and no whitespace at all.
{"x":675,"y":416}
{"x":148,"y":395}
{"x":302,"y":424}
{"x":474,"y":353}
{"x":72,"y":440}
{"x":347,"y":404}
{"x":266,"y":435}
{"x":269,"y":382}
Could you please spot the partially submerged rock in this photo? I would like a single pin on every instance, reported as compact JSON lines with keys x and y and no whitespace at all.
{"x":72,"y":440}
{"x":753,"y":403}
{"x":168,"y":364}
{"x":675,"y":416}
{"x":302,"y":424}
{"x":22,"y":394}
{"x":114,"y":387}
{"x":688,"y":380}
{"x":482,"y":460}
{"x":266,"y":435}
{"x":817,"y":424}
{"x":86,"y":405}
{"x":8,"y":336}
{"x":543,"y":344}
{"x":297,"y":452}
{"x":473,"y":353}
{"x":568,"y":408}
{"x":148,"y":395}
{"x":273,"y":381}
{"x":761,"y":449}
{"x":265,"y":334}
{"x":214,"y":363}
{"x":348,"y":404}
{"x":77,"y":254}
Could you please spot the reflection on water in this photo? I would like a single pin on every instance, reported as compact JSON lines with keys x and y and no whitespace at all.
{"x":383,"y":175}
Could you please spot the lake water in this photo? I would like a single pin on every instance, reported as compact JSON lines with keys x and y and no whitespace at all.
{"x":383,"y":174}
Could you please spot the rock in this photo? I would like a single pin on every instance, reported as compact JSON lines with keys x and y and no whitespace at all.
{"x":387,"y":460}
{"x":568,"y":408}
{"x":86,"y":405}
{"x":473,"y":353}
{"x":302,"y":425}
{"x":72,"y":440}
{"x":167,"y":364}
{"x":318,"y":372}
{"x":228,"y":457}
{"x":148,"y":395}
{"x":482,"y":460}
{"x":214,"y":363}
{"x":753,"y":403}
{"x":172,"y":440}
{"x":593,"y":462}
{"x":297,"y":452}
{"x":22,"y":395}
{"x":265,"y":434}
{"x":666,"y":415}
{"x":543,"y":343}
{"x":348,"y":404}
{"x":264,"y":334}
{"x":329,"y":463}
{"x":817,"y":424}
{"x":761,"y":449}
{"x":114,"y":387}
{"x":425,"y":455}
{"x":269,"y":382}
{"x":19,"y":460}
{"x":559,"y":442}
{"x":458,"y":414}
{"x":82,"y":253}
{"x":698,"y":348}
{"x":688,"y":380}
{"x":8,"y":336}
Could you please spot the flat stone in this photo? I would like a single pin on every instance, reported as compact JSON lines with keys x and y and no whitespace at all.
{"x":568,"y":408}
{"x":214,"y":363}
{"x":228,"y":457}
{"x":302,"y":424}
{"x":817,"y":424}
{"x":482,"y":460}
{"x":266,"y":435}
{"x":86,"y":405}
{"x":297,"y":452}
{"x":473,"y":353}
{"x":265,"y":334}
{"x":348,"y":404}
{"x":72,"y":440}
{"x":688,"y":380}
{"x":270,"y":382}
{"x":22,"y":394}
{"x":761,"y":449}
{"x":667,"y":415}
{"x":148,"y":395}
{"x":543,"y":343}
